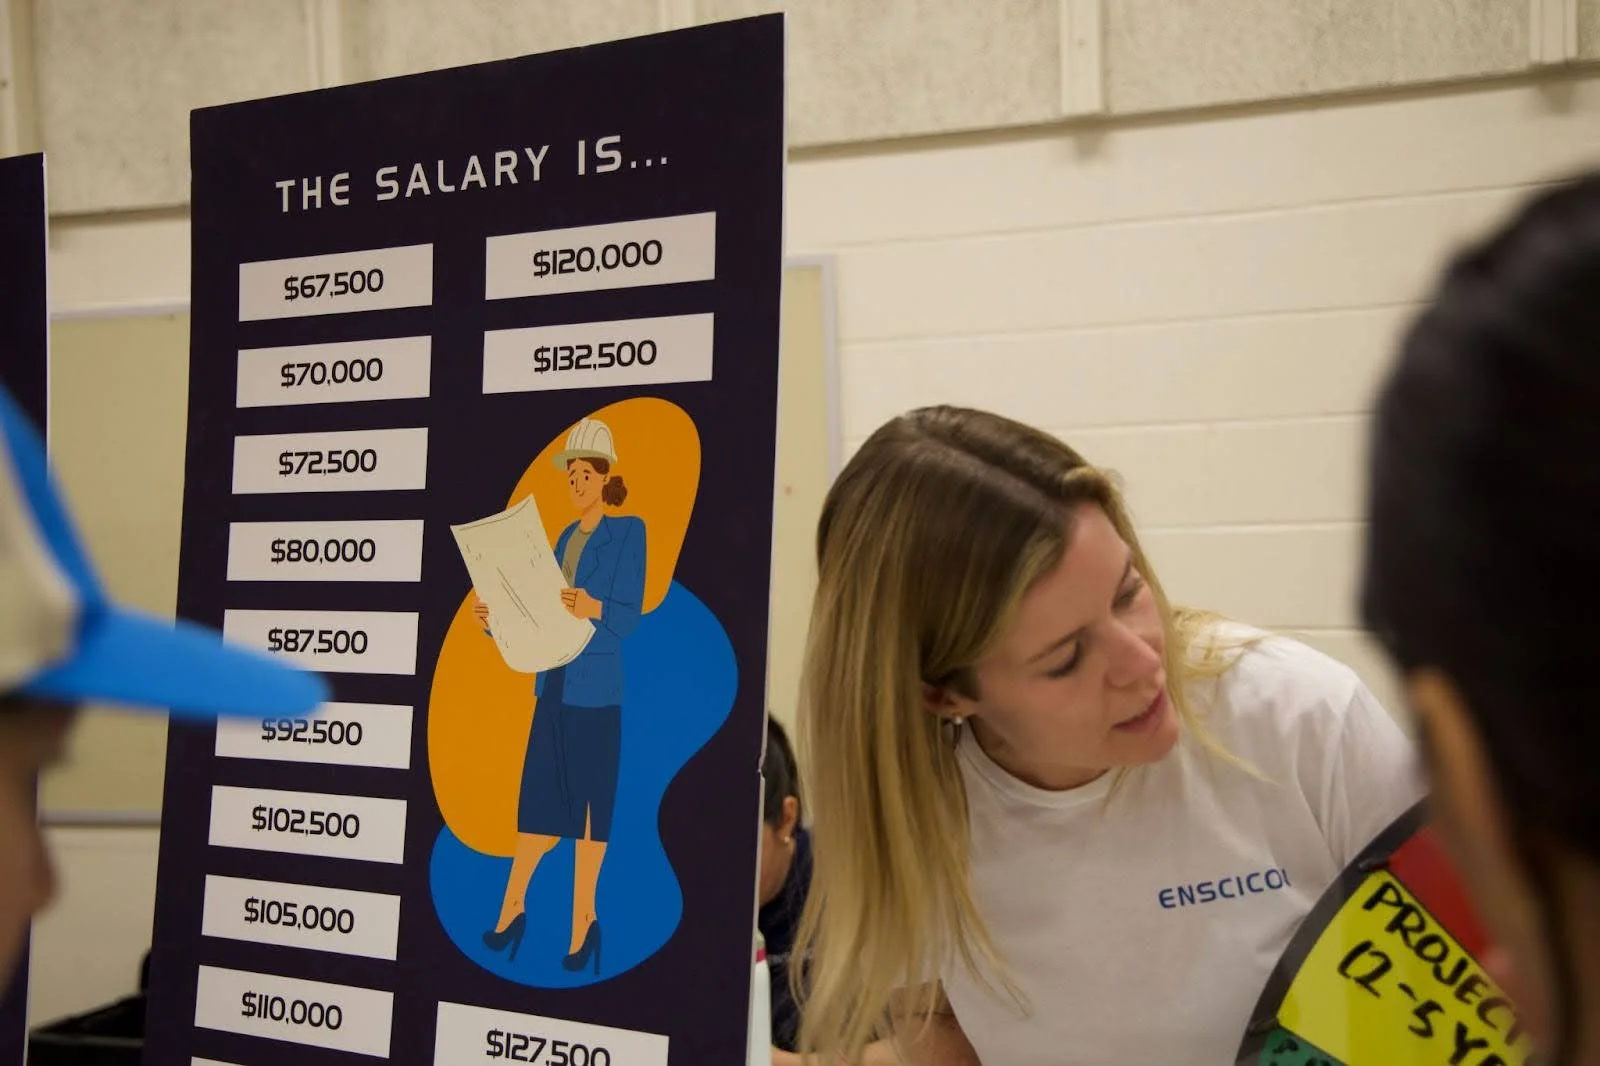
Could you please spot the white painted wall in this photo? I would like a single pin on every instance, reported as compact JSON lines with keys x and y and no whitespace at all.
{"x":1204,"y":304}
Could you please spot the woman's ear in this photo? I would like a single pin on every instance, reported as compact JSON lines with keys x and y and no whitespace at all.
{"x":941,"y":702}
{"x":791,"y":818}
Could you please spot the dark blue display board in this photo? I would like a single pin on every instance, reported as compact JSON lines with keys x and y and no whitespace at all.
{"x":482,"y":422}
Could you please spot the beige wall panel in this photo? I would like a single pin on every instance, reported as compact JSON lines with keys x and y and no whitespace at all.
{"x":118,"y":399}
{"x":804,"y":472}
{"x":1161,"y":55}
{"x":19,"y":104}
{"x":1589,"y":29}
{"x":1446,"y":39}
{"x":117,"y":82}
{"x":890,"y":68}
{"x":117,"y":263}
{"x":389,"y":37}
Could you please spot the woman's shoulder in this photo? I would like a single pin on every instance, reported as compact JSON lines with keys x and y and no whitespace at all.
{"x":1275,"y":681}
{"x":1304,"y":719}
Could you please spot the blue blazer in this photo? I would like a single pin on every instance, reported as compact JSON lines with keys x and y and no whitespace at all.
{"x":611,"y":569}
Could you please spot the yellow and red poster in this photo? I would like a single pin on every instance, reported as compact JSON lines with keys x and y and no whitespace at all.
{"x":1386,"y":972}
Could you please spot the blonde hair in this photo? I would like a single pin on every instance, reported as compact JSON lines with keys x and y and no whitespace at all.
{"x":928,"y":540}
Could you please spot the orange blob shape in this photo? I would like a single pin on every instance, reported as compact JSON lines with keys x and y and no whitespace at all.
{"x":479,"y":710}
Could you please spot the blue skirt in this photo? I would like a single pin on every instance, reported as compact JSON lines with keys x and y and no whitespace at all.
{"x":569,"y":777}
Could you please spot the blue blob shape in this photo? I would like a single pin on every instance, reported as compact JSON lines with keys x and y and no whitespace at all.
{"x":679,"y":680}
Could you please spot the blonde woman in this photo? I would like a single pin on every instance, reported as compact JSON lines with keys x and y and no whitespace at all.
{"x":1055,"y":820}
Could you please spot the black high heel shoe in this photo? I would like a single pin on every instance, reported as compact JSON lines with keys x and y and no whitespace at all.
{"x":591,"y":946}
{"x":497,"y":939}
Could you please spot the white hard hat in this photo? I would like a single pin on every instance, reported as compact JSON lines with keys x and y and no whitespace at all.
{"x":589,"y":439}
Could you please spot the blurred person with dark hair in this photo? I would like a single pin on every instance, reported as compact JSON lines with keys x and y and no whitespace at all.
{"x":1482,"y":569}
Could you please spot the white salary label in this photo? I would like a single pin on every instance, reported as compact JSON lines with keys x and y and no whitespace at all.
{"x":302,"y":916}
{"x":345,"y":642}
{"x":374,"y":280}
{"x":366,"y":460}
{"x":393,"y":369}
{"x":651,"y":251}
{"x":325,"y":551}
{"x":339,"y":734}
{"x":477,"y":1034}
{"x":308,"y":823}
{"x":313,"y":1013}
{"x":640,"y":351}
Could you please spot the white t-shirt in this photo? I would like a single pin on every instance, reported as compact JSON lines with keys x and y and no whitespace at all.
{"x":1142,"y":931}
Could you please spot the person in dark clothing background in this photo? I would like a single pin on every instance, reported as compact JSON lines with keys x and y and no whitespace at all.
{"x":785,"y":873}
{"x":785,"y":877}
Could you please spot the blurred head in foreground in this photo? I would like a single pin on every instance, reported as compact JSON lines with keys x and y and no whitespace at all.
{"x":1482,"y":569}
{"x":63,"y":643}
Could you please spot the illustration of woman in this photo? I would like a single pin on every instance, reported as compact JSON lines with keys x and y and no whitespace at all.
{"x":569,"y":777}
